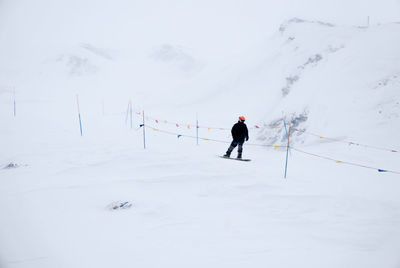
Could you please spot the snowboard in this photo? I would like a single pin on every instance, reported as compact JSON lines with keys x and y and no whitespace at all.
{"x":237,"y":159}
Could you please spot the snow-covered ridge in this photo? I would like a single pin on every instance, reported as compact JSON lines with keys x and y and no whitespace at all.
{"x":335,"y":77}
{"x":287,"y":23}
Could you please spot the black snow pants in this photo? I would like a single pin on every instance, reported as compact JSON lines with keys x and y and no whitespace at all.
{"x":233,"y":145}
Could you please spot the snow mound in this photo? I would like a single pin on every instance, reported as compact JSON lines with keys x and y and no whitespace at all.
{"x":11,"y":166}
{"x":118,"y":205}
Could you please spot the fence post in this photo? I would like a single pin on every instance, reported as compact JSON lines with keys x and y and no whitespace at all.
{"x":79,"y":113}
{"x":287,"y":147}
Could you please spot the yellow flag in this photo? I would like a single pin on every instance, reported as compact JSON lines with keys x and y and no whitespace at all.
{"x":338,"y":162}
{"x":276,"y":147}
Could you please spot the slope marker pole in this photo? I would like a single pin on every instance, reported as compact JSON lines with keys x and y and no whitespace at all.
{"x":79,"y":113}
{"x":288,"y":146}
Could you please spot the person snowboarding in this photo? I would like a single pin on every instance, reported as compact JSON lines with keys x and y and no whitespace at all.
{"x":240,"y":133}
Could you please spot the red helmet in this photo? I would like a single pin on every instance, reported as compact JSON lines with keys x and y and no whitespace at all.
{"x":242,"y":118}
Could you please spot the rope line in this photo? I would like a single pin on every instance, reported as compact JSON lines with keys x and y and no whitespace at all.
{"x":345,"y":162}
{"x":189,"y":126}
{"x":208,"y":139}
{"x":177,"y":124}
{"x":347,"y":142}
{"x":276,"y":147}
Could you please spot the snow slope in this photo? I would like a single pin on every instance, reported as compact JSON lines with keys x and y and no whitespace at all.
{"x":217,"y":60}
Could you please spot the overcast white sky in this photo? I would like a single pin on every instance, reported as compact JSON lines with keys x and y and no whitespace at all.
{"x":207,"y":25}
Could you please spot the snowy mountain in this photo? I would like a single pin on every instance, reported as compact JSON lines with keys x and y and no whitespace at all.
{"x":328,"y":69}
{"x":337,"y":79}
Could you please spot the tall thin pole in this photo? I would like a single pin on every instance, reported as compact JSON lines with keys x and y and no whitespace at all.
{"x":287,"y":147}
{"x":144,"y":133}
{"x":287,"y":134}
{"x":197,"y":129}
{"x":79,"y":113}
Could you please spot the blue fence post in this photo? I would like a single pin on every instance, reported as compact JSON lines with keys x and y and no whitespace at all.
{"x":288,"y":145}
{"x":284,"y":123}
{"x":79,"y":113}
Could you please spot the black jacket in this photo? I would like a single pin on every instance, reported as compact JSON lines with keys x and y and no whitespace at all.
{"x":239,"y":132}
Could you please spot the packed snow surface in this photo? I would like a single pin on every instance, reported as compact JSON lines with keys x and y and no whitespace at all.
{"x":102,"y":200}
